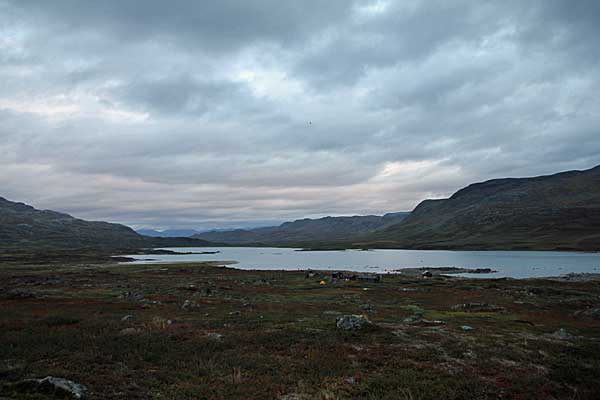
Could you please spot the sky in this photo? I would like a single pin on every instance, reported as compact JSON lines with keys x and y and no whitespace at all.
{"x":197,"y":114}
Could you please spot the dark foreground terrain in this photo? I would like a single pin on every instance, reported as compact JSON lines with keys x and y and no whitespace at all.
{"x":196,"y":331}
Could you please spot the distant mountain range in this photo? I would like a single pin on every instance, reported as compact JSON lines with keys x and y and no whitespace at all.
{"x":168,"y":233}
{"x":22,"y":226}
{"x":307,"y":231}
{"x":555,"y":212}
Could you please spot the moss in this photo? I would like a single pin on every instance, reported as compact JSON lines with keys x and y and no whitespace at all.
{"x":283,"y":342}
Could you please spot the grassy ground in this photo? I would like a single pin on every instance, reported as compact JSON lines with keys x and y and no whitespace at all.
{"x":272,"y":335}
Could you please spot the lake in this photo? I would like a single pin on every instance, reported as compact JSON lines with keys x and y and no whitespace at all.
{"x":514,"y":264}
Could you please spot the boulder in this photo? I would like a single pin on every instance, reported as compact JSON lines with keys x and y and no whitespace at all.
{"x":217,"y":337}
{"x":590,"y":312}
{"x":76,"y":390}
{"x":188,"y":305}
{"x":352,"y":322}
{"x":562,"y":334}
{"x":127,"y":318}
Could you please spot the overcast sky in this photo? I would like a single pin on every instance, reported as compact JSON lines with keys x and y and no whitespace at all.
{"x":227,"y":113}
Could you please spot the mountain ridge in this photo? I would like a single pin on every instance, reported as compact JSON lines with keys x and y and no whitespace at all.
{"x":307,"y":230}
{"x":549,"y":212}
{"x":23,"y":226}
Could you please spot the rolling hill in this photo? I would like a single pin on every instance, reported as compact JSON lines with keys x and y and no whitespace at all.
{"x":560,"y":211}
{"x":22,"y":226}
{"x":307,"y":231}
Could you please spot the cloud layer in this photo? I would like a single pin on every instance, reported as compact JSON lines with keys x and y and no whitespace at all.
{"x":193,"y":114}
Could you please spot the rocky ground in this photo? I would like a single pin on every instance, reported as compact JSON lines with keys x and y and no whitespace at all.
{"x":197,"y":331}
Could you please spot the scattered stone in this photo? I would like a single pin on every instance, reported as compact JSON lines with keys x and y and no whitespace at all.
{"x":562,"y":334}
{"x":293,"y":396}
{"x":374,"y":278}
{"x":249,"y":305}
{"x":478,"y":307}
{"x":127,"y":318}
{"x":590,"y":312}
{"x":16,"y":294}
{"x":129,"y":331}
{"x":344,"y":276}
{"x":352,"y":322}
{"x":76,"y":390}
{"x":161,"y":323}
{"x":235,"y":313}
{"x":431,"y":271}
{"x":136,"y":296}
{"x":466,"y":328}
{"x":215,"y":336}
{"x":189,"y":304}
{"x":413,"y":319}
{"x":350,"y":380}
{"x":368,"y":308}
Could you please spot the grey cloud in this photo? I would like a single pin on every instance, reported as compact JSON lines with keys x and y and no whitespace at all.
{"x":193,"y":114}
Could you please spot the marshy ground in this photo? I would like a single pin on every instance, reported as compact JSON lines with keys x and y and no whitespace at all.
{"x":198,"y":331}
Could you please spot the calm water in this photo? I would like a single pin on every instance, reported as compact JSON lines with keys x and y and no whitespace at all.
{"x":515,"y":264}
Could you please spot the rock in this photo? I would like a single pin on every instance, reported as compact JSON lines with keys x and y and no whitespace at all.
{"x":189,"y":304}
{"x":351,"y":322}
{"x":129,"y":331}
{"x":562,"y":334}
{"x":466,"y":328}
{"x":590,"y":312}
{"x":74,"y":389}
{"x":478,"y":307}
{"x":132,"y":296}
{"x":16,"y":294}
{"x":215,"y":336}
{"x":368,"y":308}
{"x":369,"y":278}
{"x":413,"y":319}
{"x":235,"y":313}
{"x":293,"y":396}
{"x":426,"y":274}
{"x":161,"y":323}
{"x":127,"y":318}
{"x":350,"y":380}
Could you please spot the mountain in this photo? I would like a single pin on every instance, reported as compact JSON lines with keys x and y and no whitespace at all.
{"x":560,"y":211}
{"x":23,"y":226}
{"x":168,"y":233}
{"x":304,"y":231}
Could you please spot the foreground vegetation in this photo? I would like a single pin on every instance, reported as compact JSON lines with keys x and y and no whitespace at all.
{"x":198,"y":331}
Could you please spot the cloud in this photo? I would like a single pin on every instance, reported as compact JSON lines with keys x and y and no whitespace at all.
{"x":192,"y":114}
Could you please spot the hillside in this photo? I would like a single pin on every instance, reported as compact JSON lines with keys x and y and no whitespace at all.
{"x":327,"y":229}
{"x":560,"y":211}
{"x":23,"y":226}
